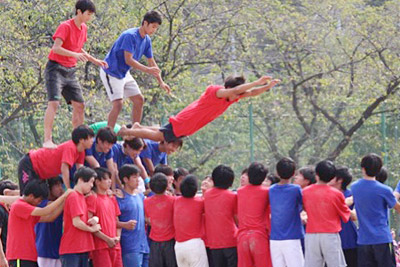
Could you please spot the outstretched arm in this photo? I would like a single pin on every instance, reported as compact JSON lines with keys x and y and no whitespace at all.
{"x":230,"y":92}
{"x":259,"y":90}
{"x":98,"y":62}
{"x":52,"y":207}
{"x":155,"y":71}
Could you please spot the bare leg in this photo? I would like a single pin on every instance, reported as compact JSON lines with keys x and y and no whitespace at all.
{"x":78,"y":113}
{"x":140,"y":131}
{"x":115,"y":110}
{"x":48,"y":123}
{"x":137,"y":109}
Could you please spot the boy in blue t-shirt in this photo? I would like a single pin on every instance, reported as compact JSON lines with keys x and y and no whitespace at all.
{"x":372,"y":201}
{"x":348,"y":234}
{"x":133,"y":240}
{"x":286,"y":227}
{"x":125,"y":54}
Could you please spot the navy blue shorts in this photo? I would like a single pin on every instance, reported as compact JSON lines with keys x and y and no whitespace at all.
{"x":168,"y":133}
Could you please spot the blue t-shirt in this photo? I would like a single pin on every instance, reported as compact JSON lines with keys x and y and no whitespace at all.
{"x":120,"y":158}
{"x":135,"y":240}
{"x":153,"y":153}
{"x":99,"y":156}
{"x":286,"y":204}
{"x":130,"y":41}
{"x":348,"y":235}
{"x":48,"y":236}
{"x":373,"y":201}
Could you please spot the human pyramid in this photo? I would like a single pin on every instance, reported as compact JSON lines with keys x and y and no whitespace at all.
{"x":93,"y":201}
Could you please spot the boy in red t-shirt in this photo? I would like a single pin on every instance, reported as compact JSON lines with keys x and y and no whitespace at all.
{"x":69,"y":39}
{"x":77,"y":239}
{"x":220,"y":206}
{"x":159,"y":212}
{"x":46,"y":163}
{"x":107,"y":251}
{"x":211,"y":104}
{"x":325,"y":207}
{"x":253,"y":214}
{"x":21,"y":246}
{"x":188,"y":223}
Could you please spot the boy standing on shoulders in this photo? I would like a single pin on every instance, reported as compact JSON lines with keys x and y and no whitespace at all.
{"x":253,"y":214}
{"x":286,"y":228}
{"x":24,"y":214}
{"x":372,"y":201}
{"x":125,"y":54}
{"x":77,"y":239}
{"x":325,"y":206}
{"x":69,"y":39}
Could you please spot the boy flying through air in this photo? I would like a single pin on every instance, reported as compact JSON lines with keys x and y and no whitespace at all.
{"x":211,"y":104}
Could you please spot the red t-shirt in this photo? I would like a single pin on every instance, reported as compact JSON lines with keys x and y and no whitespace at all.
{"x":107,"y":209}
{"x":253,"y":208}
{"x":21,"y":232}
{"x":200,"y":112}
{"x":160,"y":210}
{"x":73,"y":40}
{"x":220,"y":207}
{"x":188,"y":218}
{"x":75,"y":240}
{"x":47,"y":162}
{"x":325,"y":206}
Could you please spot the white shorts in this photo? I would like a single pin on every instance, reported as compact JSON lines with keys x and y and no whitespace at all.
{"x":47,"y":262}
{"x":119,"y":88}
{"x":286,"y":253}
{"x":191,"y":253}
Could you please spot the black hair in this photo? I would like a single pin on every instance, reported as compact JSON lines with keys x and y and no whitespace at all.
{"x":257,"y":173}
{"x":101,"y":173}
{"x":7,"y":184}
{"x":382,"y":175}
{"x":81,"y":132}
{"x":372,"y":164}
{"x":84,"y":5}
{"x":37,"y":188}
{"x":285,"y":168}
{"x":167,"y":170}
{"x":135,"y":143}
{"x":152,"y":16}
{"x":308,"y":173}
{"x":189,"y":186}
{"x":233,"y":81}
{"x":344,"y":174}
{"x":106,"y":134}
{"x":178,"y":172}
{"x":127,"y":171}
{"x":177,"y":141}
{"x":325,"y":170}
{"x":85,"y":174}
{"x":159,"y":183}
{"x":273,"y":178}
{"x":54,"y":181}
{"x":222,"y":177}
{"x":245,"y":171}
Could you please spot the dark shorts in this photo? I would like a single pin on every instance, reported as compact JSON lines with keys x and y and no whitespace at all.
{"x":224,"y":257}
{"x":380,"y":255}
{"x":25,"y":172}
{"x":162,"y":254}
{"x":22,"y":263}
{"x":61,"y":80}
{"x":168,"y":133}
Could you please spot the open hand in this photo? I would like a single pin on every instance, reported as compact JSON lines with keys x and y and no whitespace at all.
{"x":166,"y":87}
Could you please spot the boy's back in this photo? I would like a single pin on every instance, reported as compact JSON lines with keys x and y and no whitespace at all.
{"x":372,"y":201}
{"x":75,"y":240}
{"x":253,"y":204}
{"x":325,"y":206}
{"x":188,"y":218}
{"x":286,"y":205}
{"x":220,"y":207}
{"x":160,"y":210}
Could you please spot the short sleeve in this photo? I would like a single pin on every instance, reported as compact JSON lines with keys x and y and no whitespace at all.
{"x":389,"y":197}
{"x":235,"y":208}
{"x":68,"y":155}
{"x":146,"y":153}
{"x":299,"y":199}
{"x":62,"y":32}
{"x":91,"y":203}
{"x":110,"y":154}
{"x":88,"y":152}
{"x":75,"y":206}
{"x":116,"y":207}
{"x":343,"y":209}
{"x":148,"y":51}
{"x":128,"y":43}
{"x":81,"y":158}
{"x":23,"y":210}
{"x":146,"y":207}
